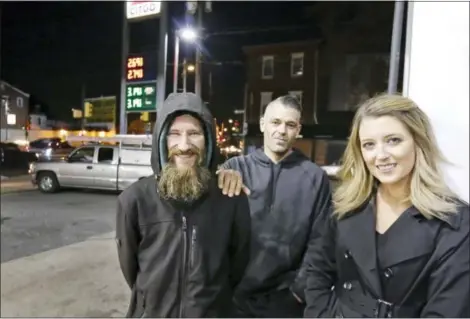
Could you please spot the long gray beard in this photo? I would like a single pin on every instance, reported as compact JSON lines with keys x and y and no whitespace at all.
{"x":183,"y":184}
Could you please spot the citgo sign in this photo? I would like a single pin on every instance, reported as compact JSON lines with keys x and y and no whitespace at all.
{"x":141,"y":9}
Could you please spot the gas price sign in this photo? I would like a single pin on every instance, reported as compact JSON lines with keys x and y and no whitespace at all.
{"x":140,"y":68}
{"x":141,"y":97}
{"x":135,"y":69}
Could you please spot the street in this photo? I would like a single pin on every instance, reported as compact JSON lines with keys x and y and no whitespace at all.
{"x":59,"y":256}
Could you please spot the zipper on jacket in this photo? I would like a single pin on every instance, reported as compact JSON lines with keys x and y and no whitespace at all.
{"x":143,"y":306}
{"x":275,"y":172}
{"x":184,"y":239}
{"x":193,"y":247}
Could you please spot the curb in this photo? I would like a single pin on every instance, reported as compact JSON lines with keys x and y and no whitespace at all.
{"x":14,"y":191}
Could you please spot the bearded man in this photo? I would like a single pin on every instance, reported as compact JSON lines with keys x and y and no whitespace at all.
{"x":183,"y":246}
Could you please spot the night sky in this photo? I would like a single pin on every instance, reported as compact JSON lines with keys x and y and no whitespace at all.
{"x":52,"y":49}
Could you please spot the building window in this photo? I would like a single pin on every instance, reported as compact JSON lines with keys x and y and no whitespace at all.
{"x":297,"y":64}
{"x":297,"y":94}
{"x":266,"y":97}
{"x":19,"y":102}
{"x":267,"y":68}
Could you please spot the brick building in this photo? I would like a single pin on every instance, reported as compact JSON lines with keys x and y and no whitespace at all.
{"x":14,"y":110}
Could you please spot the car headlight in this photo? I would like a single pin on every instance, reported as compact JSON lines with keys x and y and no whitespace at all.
{"x":32,"y":167}
{"x":48,"y":152}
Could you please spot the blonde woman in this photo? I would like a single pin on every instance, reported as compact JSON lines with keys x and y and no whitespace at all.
{"x":397,"y":244}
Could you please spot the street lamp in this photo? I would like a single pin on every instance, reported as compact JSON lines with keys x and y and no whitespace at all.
{"x":190,"y":68}
{"x":187,"y":34}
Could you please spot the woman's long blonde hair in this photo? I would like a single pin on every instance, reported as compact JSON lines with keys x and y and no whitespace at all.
{"x":428,"y":191}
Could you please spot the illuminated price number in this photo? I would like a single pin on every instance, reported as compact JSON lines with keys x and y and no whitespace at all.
{"x":134,"y":91}
{"x":135,"y":62}
{"x":135,"y":74}
{"x":135,"y":103}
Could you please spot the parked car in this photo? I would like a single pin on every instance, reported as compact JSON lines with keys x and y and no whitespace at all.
{"x":105,"y":167}
{"x":13,"y":158}
{"x":49,"y":148}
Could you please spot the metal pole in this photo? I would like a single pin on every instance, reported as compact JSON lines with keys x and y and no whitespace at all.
{"x":245,"y":109}
{"x":184,"y":75}
{"x":198,"y":70}
{"x":162,"y":54}
{"x":0,"y":40}
{"x":396,"y":47}
{"x":83,"y":96}
{"x":124,"y":54}
{"x":7,"y":105}
{"x":175,"y":64}
{"x":315,"y":89}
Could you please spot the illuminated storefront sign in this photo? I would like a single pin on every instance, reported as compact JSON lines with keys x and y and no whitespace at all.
{"x":142,"y":9}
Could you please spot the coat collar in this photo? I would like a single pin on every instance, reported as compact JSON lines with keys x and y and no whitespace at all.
{"x":413,"y":237}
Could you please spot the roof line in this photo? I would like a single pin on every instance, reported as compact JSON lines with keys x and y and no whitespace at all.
{"x":265,"y":45}
{"x":15,"y":88}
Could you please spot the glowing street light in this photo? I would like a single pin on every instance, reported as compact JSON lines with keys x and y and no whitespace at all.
{"x":186,"y":34}
{"x":190,"y":68}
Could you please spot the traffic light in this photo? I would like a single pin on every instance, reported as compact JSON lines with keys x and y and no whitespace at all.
{"x":144,"y":116}
{"x":88,"y":109}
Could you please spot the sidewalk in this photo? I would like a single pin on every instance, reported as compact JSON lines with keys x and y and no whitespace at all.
{"x":16,"y":184}
{"x":80,"y":280}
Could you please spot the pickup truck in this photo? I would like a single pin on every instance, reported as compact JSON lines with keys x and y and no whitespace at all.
{"x":105,"y":167}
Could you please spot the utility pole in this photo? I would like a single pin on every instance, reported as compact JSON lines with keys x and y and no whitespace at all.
{"x":184,"y":75}
{"x":162,"y":55}
{"x":396,"y":47}
{"x":176,"y":63}
{"x":124,"y":53}
{"x":198,"y":70}
{"x":0,"y":39}
{"x":82,"y":98}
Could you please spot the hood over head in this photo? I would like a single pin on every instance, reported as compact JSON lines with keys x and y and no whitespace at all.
{"x":175,"y":105}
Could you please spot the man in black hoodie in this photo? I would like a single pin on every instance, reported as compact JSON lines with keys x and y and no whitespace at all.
{"x":289,"y":198}
{"x":183,"y":246}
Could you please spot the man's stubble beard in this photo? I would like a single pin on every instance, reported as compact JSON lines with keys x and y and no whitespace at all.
{"x":185,"y":184}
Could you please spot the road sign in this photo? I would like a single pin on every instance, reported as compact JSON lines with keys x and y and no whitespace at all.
{"x":141,"y":67}
{"x":142,"y":9}
{"x":239,"y":111}
{"x":103,"y":109}
{"x":141,"y":97}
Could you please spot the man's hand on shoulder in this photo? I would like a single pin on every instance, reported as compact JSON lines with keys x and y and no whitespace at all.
{"x":231,"y":182}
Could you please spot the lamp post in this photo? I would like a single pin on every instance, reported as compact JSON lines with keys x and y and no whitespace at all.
{"x":187,"y":68}
{"x":188,"y":35}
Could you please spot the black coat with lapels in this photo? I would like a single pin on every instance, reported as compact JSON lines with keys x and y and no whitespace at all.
{"x":424,"y":271}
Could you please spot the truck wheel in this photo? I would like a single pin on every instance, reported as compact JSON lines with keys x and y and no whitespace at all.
{"x":47,"y":182}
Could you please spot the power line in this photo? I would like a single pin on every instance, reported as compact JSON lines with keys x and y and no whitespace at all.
{"x":257,"y":30}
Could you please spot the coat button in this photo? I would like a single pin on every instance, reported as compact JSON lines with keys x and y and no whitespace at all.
{"x":347,"y":285}
{"x":388,"y":273}
{"x":347,"y":254}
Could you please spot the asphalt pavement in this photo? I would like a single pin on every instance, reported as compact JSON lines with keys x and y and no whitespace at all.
{"x":58,"y":255}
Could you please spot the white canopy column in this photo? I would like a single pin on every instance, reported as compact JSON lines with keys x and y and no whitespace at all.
{"x":437,"y":78}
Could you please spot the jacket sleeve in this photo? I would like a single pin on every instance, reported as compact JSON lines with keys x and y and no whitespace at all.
{"x":127,"y":239}
{"x":322,"y":203}
{"x":321,"y":274}
{"x":228,"y":164}
{"x":240,"y":241}
{"x":449,"y":284}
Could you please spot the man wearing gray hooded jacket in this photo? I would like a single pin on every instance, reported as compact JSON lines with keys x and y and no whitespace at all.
{"x":183,"y":246}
